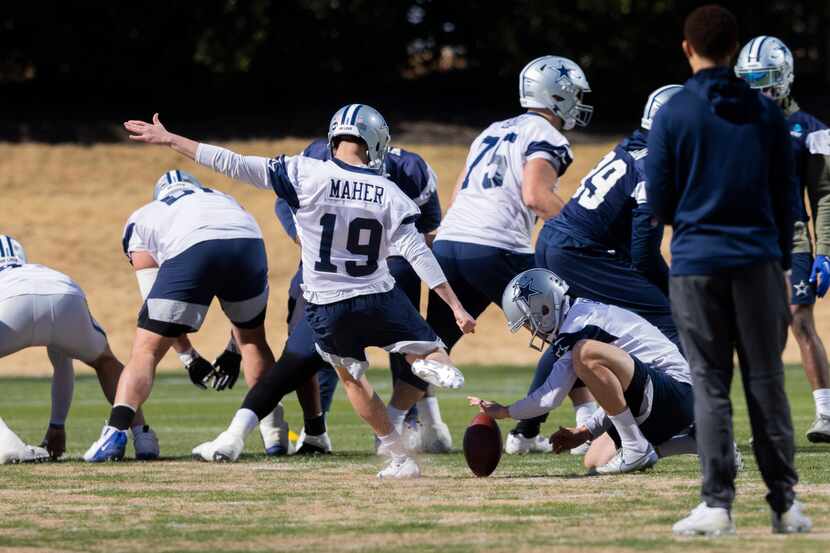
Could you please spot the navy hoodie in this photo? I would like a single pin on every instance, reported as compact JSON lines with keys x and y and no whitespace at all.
{"x":720,"y":170}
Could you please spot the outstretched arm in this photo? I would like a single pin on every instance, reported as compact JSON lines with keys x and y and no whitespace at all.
{"x":251,"y":169}
{"x":155,"y":133}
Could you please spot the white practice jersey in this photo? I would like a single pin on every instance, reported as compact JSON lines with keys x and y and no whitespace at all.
{"x":165,"y":228}
{"x":32,"y":279}
{"x":489,"y":209}
{"x":347,"y":218}
{"x":610,"y":324}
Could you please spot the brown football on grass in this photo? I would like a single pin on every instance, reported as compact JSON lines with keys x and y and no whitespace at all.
{"x":482,"y":445}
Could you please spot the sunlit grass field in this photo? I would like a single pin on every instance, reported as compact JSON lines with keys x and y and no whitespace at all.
{"x":531,"y":503}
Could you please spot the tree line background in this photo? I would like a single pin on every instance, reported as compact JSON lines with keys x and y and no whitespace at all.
{"x":72,"y":70}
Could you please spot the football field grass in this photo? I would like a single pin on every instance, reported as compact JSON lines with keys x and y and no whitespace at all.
{"x":531,"y":503}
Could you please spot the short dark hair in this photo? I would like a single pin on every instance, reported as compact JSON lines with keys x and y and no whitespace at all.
{"x":712,"y":31}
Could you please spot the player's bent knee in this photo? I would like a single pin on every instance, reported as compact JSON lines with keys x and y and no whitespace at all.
{"x":586,"y":355}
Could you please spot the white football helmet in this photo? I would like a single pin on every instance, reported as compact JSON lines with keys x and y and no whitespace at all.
{"x":174,"y":181}
{"x":655,"y":101}
{"x":557,"y":84}
{"x":766,"y":64}
{"x":537,"y":300}
{"x":11,"y":252}
{"x":366,"y":123}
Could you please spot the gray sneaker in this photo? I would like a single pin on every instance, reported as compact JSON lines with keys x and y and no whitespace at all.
{"x":791,"y":522}
{"x":819,"y":432}
{"x":617,"y":464}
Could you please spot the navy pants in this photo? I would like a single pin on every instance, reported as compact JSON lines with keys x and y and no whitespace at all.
{"x":478,"y":275}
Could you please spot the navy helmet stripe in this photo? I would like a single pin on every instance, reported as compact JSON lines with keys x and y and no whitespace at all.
{"x":354,"y":114}
{"x":11,"y":248}
{"x":178,"y":176}
{"x":345,"y":112}
{"x":2,"y":251}
{"x":167,"y":177}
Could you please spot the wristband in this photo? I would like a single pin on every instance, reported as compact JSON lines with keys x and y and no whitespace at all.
{"x":56,"y":426}
{"x":188,"y":357}
{"x":232,"y":347}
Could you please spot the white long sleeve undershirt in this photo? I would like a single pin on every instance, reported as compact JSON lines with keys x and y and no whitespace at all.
{"x":411,"y":245}
{"x":549,"y":395}
{"x":250,"y":169}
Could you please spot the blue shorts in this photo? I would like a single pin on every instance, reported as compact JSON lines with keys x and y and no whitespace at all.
{"x":803,"y":292}
{"x":594,"y":274}
{"x":344,"y":329}
{"x":662,"y":406}
{"x":235,"y":271}
{"x":478,"y":275}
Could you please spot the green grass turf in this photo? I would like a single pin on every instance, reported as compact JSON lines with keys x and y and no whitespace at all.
{"x":537,"y":502}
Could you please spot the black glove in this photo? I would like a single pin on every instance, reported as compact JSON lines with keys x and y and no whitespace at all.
{"x":200,"y":370}
{"x":226,"y":370}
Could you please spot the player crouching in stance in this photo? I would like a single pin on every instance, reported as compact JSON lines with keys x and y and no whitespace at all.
{"x":637,"y":375}
{"x":42,"y":307}
{"x":204,"y":245}
{"x":348,"y":218}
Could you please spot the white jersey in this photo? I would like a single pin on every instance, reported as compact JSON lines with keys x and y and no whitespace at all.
{"x":610,"y":324}
{"x":165,"y":228}
{"x":348,"y":219}
{"x":37,"y":280}
{"x":489,"y":209}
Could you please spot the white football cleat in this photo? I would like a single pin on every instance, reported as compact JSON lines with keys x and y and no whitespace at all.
{"x":226,"y":448}
{"x":14,"y":450}
{"x":581,"y":449}
{"x":400,"y":467}
{"x":792,"y":522}
{"x":618,"y":464}
{"x":146,"y":443}
{"x":110,"y":446}
{"x":438,"y":374}
{"x":274,"y":431}
{"x":819,"y":432}
{"x":705,"y":521}
{"x":517,"y":444}
{"x":312,"y":445}
{"x":411,"y":437}
{"x":436,"y":438}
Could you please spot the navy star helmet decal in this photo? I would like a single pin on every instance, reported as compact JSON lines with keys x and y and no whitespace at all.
{"x":563,"y":71}
{"x":524,"y":290}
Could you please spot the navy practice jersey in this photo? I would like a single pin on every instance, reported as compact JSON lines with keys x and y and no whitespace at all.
{"x":410,"y":172}
{"x":807,"y":139}
{"x":609,"y":210}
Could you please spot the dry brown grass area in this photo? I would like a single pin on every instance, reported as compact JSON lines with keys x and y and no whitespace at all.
{"x":68,"y":205}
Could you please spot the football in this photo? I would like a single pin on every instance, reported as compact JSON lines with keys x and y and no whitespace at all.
{"x":482,"y":445}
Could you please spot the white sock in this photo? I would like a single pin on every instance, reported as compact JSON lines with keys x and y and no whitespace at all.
{"x":822,"y":399}
{"x":243,"y":423}
{"x":396,"y":416}
{"x":429,"y":411}
{"x":682,"y":444}
{"x":584,"y":411}
{"x":392,"y":443}
{"x":631,"y":436}
{"x":275,"y":418}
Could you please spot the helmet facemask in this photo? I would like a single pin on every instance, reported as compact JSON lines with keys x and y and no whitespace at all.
{"x":558,"y":85}
{"x":539,"y":311}
{"x":766,"y":64}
